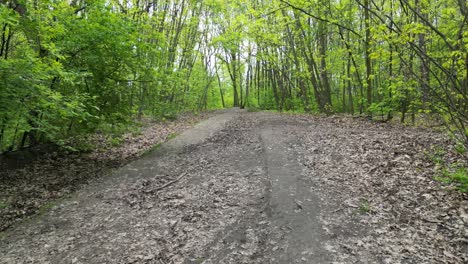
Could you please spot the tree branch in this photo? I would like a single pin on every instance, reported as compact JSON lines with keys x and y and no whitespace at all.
{"x":320,"y":18}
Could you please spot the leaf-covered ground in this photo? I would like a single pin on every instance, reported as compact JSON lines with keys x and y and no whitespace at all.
{"x":365,"y":192}
{"x":37,"y":182}
{"x":382,"y":177}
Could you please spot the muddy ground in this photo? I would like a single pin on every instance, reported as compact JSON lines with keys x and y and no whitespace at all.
{"x":261,"y":188}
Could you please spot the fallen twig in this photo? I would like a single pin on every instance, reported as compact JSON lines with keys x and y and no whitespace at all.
{"x":172,"y":182}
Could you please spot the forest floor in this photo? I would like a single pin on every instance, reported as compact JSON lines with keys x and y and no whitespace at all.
{"x":262,"y":188}
{"x":31,"y":180}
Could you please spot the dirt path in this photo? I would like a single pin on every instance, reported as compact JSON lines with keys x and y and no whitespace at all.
{"x":294,"y":205}
{"x":260,"y":188}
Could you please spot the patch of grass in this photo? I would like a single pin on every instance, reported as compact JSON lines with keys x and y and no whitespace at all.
{"x":460,"y":177}
{"x":170,"y":115}
{"x":77,"y":144}
{"x":456,"y":173}
{"x":437,"y":155}
{"x":460,"y":149}
{"x":157,"y":146}
{"x":47,"y":207}
{"x":457,"y":176}
{"x":199,"y":260}
{"x":116,"y":141}
{"x":153,"y":148}
{"x":171,"y":136}
{"x":364,"y":207}
{"x":3,"y":205}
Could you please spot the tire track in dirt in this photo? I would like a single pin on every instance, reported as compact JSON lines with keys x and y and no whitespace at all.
{"x":295,"y":208}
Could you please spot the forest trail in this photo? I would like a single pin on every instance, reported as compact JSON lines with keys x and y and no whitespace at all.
{"x":259,"y":188}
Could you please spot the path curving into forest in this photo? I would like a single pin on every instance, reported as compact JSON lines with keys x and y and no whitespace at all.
{"x":260,"y":187}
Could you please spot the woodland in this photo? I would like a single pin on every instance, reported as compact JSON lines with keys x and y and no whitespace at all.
{"x":355,"y":131}
{"x":75,"y":67}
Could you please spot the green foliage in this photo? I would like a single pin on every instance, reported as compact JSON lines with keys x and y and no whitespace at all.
{"x":199,"y":259}
{"x":116,"y":141}
{"x":364,"y":207}
{"x":328,"y":60}
{"x":382,"y":108}
{"x":460,"y":149}
{"x":171,"y":136}
{"x":3,"y":205}
{"x":456,"y":175}
{"x":72,"y":69}
{"x":77,"y":144}
{"x":437,"y":155}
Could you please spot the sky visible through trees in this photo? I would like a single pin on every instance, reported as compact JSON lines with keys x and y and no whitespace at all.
{"x":73,"y":67}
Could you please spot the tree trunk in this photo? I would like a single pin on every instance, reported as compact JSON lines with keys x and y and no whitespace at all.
{"x":367,"y":55}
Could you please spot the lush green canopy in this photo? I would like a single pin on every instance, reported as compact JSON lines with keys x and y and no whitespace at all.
{"x":69,"y":67}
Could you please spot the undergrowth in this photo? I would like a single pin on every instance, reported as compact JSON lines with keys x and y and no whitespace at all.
{"x":455,"y":173}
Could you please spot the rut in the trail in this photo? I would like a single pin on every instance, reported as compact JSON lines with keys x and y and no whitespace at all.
{"x":260,"y":188}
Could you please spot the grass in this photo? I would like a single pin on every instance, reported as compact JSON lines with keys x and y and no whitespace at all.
{"x":158,"y":145}
{"x":171,"y":136}
{"x":170,"y":115}
{"x":456,"y":173}
{"x":199,"y":260}
{"x":153,"y":148}
{"x":48,"y":206}
{"x":116,"y":141}
{"x":3,"y":205}
{"x":458,"y":176}
{"x":437,"y":155}
{"x":460,"y":149}
{"x":364,"y":207}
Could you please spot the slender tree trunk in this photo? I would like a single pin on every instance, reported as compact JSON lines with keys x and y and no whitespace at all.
{"x":350,"y":88}
{"x":301,"y":83}
{"x":221,"y":93}
{"x":367,"y":54}
{"x":424,"y":66}
{"x":248,"y":83}
{"x":234,"y":79}
{"x":311,"y":65}
{"x":323,"y":43}
{"x":240,"y":82}
{"x":275,"y":90}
